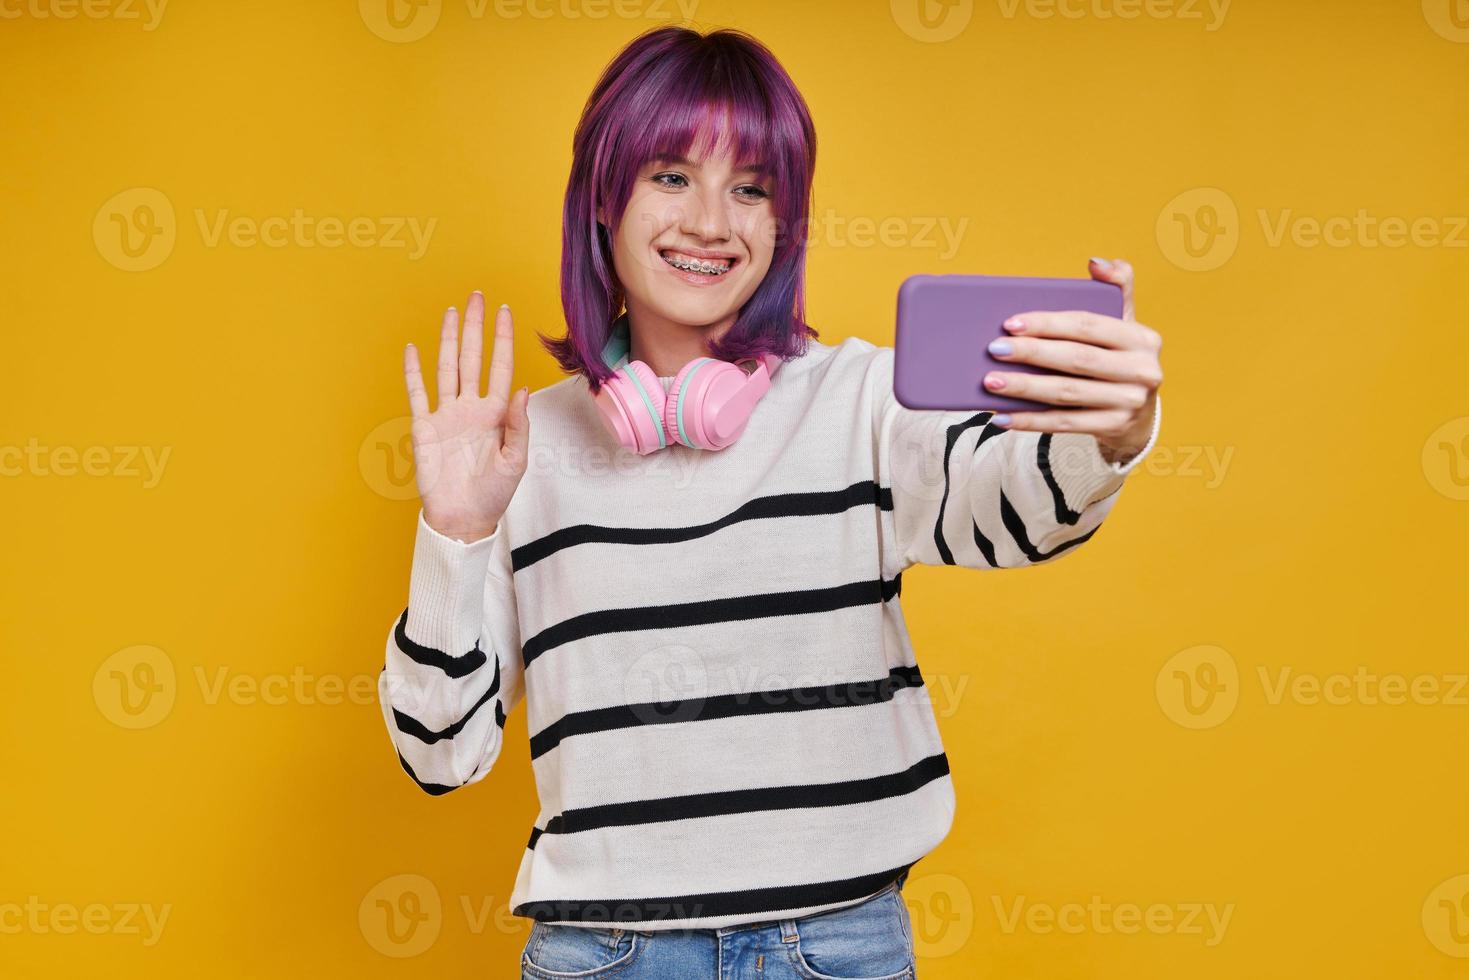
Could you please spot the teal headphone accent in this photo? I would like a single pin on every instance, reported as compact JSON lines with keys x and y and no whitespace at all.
{"x":615,"y":353}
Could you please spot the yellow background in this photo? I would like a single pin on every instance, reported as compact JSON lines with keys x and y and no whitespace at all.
{"x":1327,"y":536}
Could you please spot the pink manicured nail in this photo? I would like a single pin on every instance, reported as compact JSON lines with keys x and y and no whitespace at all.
{"x":1014,"y":323}
{"x":994,"y":382}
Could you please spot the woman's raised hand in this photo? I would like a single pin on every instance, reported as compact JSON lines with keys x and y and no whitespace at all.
{"x":471,"y":451}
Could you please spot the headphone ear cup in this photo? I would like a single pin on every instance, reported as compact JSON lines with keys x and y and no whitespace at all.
{"x":632,"y":407}
{"x":695,"y":397}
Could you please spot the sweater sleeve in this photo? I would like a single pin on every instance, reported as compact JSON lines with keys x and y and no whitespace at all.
{"x":452,"y":670}
{"x":968,"y":492}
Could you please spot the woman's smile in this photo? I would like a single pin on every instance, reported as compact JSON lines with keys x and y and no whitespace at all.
{"x":699,"y":267}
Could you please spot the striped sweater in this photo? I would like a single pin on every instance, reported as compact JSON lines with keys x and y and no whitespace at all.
{"x":727,"y":720}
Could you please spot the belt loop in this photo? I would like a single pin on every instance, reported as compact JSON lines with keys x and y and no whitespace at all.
{"x":788,"y":933}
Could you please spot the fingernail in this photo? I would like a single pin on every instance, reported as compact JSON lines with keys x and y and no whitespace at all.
{"x":1001,"y":346}
{"x":1101,"y":262}
{"x":1014,"y":323}
{"x":994,"y":382}
{"x":1001,"y":420}
{"x":504,"y":306}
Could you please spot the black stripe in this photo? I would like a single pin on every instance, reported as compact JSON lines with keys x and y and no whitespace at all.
{"x":985,"y":545}
{"x":409,"y":725}
{"x":432,"y":789}
{"x":809,"y":504}
{"x":723,"y":706}
{"x":951,"y":436}
{"x":712,"y":904}
{"x":1015,"y":524}
{"x":455,"y":667}
{"x":1064,"y":514}
{"x":694,"y":805}
{"x":707,"y":611}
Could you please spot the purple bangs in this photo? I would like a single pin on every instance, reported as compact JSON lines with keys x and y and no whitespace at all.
{"x":667,"y":90}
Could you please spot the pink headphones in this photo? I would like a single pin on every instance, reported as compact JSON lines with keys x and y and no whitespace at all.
{"x":706,"y":407}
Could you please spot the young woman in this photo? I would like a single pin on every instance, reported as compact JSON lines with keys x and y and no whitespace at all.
{"x":689,"y":567}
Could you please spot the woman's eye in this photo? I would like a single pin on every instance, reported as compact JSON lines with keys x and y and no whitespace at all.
{"x":673,"y":180}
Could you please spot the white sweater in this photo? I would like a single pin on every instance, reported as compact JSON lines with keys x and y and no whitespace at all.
{"x":727,"y":720}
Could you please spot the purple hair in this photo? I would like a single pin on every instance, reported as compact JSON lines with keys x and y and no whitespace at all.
{"x":653,"y":100}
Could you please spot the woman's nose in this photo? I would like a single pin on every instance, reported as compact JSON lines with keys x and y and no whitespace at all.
{"x":705,"y":216}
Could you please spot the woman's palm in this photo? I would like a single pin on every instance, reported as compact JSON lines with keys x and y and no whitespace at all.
{"x":471,"y":451}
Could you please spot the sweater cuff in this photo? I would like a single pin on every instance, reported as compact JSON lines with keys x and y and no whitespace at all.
{"x":447,"y":585}
{"x":1081,"y":473}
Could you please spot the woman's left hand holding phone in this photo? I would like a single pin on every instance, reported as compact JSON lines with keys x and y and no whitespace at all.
{"x":1116,"y":361}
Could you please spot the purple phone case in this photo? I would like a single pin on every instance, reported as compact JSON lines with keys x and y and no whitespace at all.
{"x":945,"y":324}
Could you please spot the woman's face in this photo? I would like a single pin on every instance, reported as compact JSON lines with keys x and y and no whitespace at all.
{"x":687,"y":212}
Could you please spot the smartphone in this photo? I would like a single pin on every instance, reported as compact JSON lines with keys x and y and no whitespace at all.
{"x":945,"y":324}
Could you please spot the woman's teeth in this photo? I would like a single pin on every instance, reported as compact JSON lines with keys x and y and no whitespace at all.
{"x":714,"y":267}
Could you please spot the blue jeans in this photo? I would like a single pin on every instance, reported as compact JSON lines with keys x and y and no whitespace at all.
{"x":872,"y":940}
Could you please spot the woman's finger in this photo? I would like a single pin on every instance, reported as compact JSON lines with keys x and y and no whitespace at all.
{"x":449,"y":357}
{"x":1085,"y":326}
{"x":1057,"y":389}
{"x":413,"y":378}
{"x":1096,"y":422}
{"x":1071,"y":357}
{"x":502,"y":359}
{"x":474,"y":343}
{"x":1117,"y":272}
